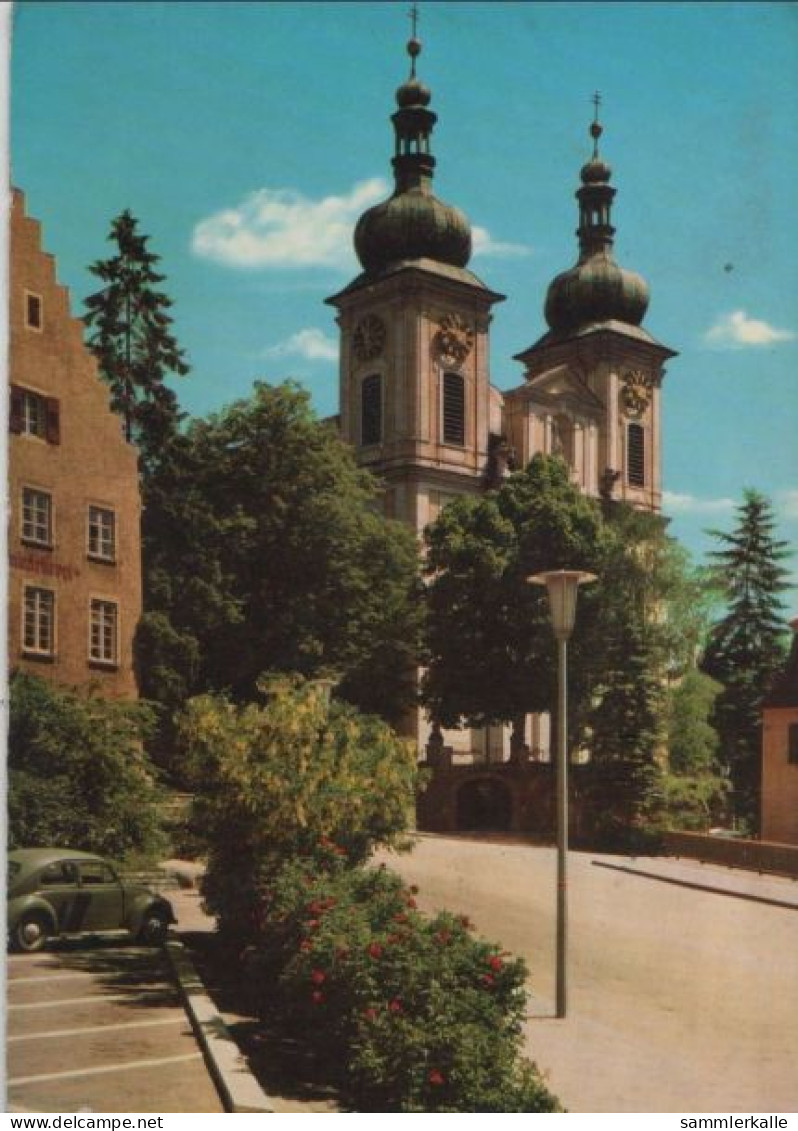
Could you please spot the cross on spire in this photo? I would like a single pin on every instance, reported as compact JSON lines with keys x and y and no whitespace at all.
{"x":596,"y":100}
{"x":414,"y":18}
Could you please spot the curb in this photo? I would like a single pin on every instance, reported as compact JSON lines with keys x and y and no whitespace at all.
{"x":240,"y":1092}
{"x":695,"y":885}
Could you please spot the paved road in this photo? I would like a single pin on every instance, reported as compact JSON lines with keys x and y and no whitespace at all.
{"x":681,"y":1000}
{"x":99,"y":1027}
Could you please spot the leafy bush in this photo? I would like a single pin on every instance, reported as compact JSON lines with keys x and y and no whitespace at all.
{"x":284,"y":776}
{"x":417,"y":1014}
{"x":77,"y":773}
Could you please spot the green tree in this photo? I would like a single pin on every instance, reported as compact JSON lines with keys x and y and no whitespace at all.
{"x":694,"y":790}
{"x":746,"y":648}
{"x":693,"y":742}
{"x":490,"y":650}
{"x":132,"y":341}
{"x":77,"y":773}
{"x":290,"y":778}
{"x":264,"y":550}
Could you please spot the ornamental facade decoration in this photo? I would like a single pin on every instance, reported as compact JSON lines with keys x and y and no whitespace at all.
{"x":454,"y":339}
{"x":636,"y":392}
{"x":368,"y":340}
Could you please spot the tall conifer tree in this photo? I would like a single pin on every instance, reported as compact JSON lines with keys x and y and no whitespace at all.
{"x":131,"y":339}
{"x":746,"y":647}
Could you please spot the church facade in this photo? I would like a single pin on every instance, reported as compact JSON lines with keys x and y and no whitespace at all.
{"x":416,"y":399}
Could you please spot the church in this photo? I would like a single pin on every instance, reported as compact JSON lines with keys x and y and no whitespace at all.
{"x":416,"y":399}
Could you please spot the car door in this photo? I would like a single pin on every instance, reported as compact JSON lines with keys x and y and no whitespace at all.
{"x":101,"y":894}
{"x":58,"y":884}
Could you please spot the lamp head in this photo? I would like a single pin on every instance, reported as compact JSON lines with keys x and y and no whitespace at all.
{"x":562,"y":586}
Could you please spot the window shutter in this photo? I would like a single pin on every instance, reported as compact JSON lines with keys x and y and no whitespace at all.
{"x":635,"y":456}
{"x":453,"y":409}
{"x":53,"y":425}
{"x":15,"y":410}
{"x":371,"y":410}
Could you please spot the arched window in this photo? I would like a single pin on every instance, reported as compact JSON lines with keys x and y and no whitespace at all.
{"x":371,"y":410}
{"x":453,"y":409}
{"x":635,"y":455}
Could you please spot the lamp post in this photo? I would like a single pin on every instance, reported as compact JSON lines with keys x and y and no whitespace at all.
{"x":562,"y":586}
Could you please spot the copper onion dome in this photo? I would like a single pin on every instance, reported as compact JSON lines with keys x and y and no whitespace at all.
{"x":413,"y":223}
{"x":596,"y":289}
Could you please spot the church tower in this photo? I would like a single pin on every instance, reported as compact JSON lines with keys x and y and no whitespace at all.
{"x":415,"y":395}
{"x":592,"y":388}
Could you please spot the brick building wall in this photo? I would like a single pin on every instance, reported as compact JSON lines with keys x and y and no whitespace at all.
{"x":74,"y":587}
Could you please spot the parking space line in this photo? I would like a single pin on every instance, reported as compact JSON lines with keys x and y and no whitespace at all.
{"x":51,"y":977}
{"x":124,"y":1066}
{"x":52,"y":1033}
{"x":95,"y":999}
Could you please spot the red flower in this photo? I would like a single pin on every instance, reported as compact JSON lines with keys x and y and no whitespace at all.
{"x":317,"y":997}
{"x":317,"y":977}
{"x":443,"y":937}
{"x":488,"y":980}
{"x":306,"y":945}
{"x":375,"y":950}
{"x":400,"y":917}
{"x":495,"y":963}
{"x":465,"y":922}
{"x":411,"y":903}
{"x":436,"y":1077}
{"x":313,"y":924}
{"x":395,"y":1006}
{"x":370,"y":1014}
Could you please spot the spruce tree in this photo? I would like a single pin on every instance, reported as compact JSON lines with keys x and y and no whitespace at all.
{"x":131,"y":339}
{"x":746,"y":647}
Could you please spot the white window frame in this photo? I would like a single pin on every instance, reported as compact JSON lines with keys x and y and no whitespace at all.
{"x":43,"y":623}
{"x":32,"y":325}
{"x":34,"y":423}
{"x":102,"y":549}
{"x":98,"y":627}
{"x":36,"y":521}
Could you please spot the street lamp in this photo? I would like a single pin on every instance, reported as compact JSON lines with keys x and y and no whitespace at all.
{"x":562,"y":586}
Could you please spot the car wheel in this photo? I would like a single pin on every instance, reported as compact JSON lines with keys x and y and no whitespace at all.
{"x":153,"y":930}
{"x":31,"y":932}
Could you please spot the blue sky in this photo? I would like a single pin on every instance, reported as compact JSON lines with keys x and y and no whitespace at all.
{"x":248,"y":137}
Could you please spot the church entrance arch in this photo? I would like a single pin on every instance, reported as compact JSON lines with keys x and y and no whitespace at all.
{"x":484,"y":804}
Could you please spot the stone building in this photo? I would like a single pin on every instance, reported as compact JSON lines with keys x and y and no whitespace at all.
{"x":416,"y":399}
{"x":74,"y":583}
{"x":780,"y":754}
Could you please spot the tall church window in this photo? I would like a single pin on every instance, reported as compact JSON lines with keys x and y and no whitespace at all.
{"x":371,"y":410}
{"x":453,"y":409}
{"x":635,"y":455}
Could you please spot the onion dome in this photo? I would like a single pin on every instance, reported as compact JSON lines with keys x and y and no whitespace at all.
{"x":413,"y":223}
{"x":596,"y":289}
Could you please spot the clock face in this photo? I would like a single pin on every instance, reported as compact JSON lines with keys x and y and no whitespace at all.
{"x":636,"y":392}
{"x":455,"y":339}
{"x":368,"y":340}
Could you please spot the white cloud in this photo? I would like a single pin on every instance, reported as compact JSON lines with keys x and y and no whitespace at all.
{"x":788,"y":501}
{"x":737,"y":330}
{"x":691,"y":504}
{"x":484,"y":244}
{"x":310,"y":343}
{"x":283,"y":228}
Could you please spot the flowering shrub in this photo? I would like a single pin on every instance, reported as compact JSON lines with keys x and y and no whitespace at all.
{"x":295,"y":777}
{"x":419,"y":1014}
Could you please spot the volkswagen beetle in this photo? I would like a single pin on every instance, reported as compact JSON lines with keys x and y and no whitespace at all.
{"x":59,"y":891}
